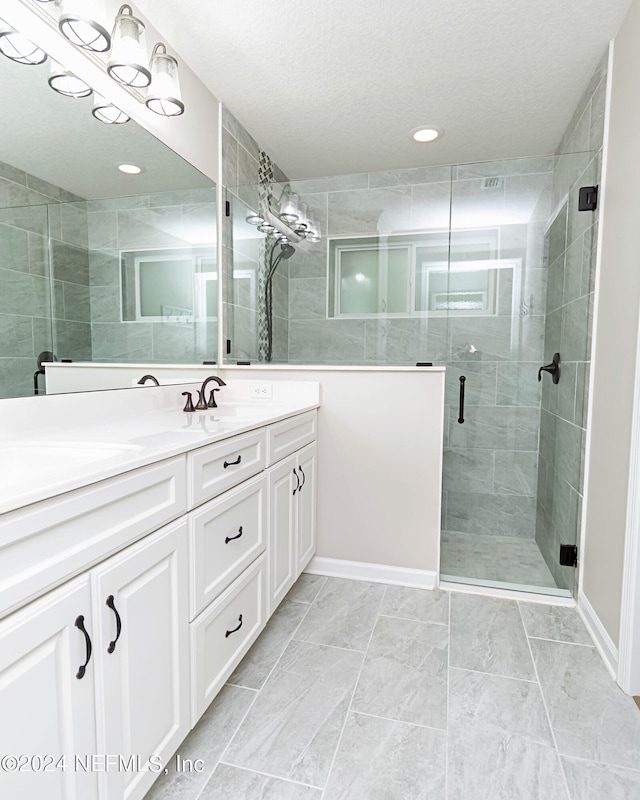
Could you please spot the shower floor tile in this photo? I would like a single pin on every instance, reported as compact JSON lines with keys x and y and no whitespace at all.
{"x":507,"y":559}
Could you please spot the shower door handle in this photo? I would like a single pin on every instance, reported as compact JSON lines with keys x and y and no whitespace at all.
{"x":461,"y":409}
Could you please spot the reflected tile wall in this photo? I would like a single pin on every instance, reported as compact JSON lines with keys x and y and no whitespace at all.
{"x":179,"y":219}
{"x":26,"y":203}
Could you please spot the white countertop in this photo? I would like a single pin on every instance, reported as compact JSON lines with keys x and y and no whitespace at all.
{"x":57,"y":458}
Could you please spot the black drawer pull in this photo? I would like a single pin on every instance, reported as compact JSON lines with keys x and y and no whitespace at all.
{"x":228,"y":539}
{"x":304,"y":478}
{"x":232,"y":463}
{"x":297,"y":481}
{"x":112,"y":606}
{"x":79,"y":623}
{"x":228,"y":633}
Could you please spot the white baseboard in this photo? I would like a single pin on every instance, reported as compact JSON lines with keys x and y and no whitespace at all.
{"x":376,"y":573}
{"x":601,"y":638}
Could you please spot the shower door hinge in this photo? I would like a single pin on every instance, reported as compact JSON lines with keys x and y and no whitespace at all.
{"x":568,"y":555}
{"x":588,"y":198}
{"x":227,"y":208}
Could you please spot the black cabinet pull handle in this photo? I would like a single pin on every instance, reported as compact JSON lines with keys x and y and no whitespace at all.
{"x":304,"y":478}
{"x":112,"y":606}
{"x":297,"y":481}
{"x":461,"y":417}
{"x":231,"y":538}
{"x":232,"y":463}
{"x":233,"y":630}
{"x":79,"y":623}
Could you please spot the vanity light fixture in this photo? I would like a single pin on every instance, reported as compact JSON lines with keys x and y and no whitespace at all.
{"x":426,"y":133}
{"x":83,"y":22}
{"x":106,"y":112}
{"x":292,"y":223}
{"x":130,"y":169}
{"x":18,"y":48}
{"x":65,"y":82}
{"x":163,"y":96}
{"x":129,"y":51}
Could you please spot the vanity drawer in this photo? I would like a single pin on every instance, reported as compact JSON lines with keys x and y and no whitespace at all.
{"x":46,"y":543}
{"x":216,"y":468}
{"x":225,"y":536}
{"x":223,"y":633}
{"x":291,"y":434}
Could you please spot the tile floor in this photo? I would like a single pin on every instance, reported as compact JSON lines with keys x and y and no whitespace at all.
{"x":359,"y":691}
{"x":504,"y":559}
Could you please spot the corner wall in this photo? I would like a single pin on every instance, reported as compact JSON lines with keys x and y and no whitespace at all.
{"x":616,"y":335}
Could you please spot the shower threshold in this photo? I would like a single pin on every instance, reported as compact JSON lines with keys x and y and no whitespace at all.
{"x":459,"y":580}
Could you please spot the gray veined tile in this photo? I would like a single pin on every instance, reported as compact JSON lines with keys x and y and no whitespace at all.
{"x":562,"y":624}
{"x":379,"y":759}
{"x":306,"y":588}
{"x":293,"y":728}
{"x":404,"y":675}
{"x":589,"y":781}
{"x":487,"y":635}
{"x":343,"y":614}
{"x":232,"y":783}
{"x":206,"y":742}
{"x":591,"y":716}
{"x":255,"y":667}
{"x":423,"y":605}
{"x":500,"y":745}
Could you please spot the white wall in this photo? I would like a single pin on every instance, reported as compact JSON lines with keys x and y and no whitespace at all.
{"x":194,"y":135}
{"x":616,"y":332}
{"x":379,"y":455}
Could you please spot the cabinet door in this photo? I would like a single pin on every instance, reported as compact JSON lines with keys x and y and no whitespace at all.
{"x":306,"y":497}
{"x":141,"y":607}
{"x":46,"y":710}
{"x":283,"y":485}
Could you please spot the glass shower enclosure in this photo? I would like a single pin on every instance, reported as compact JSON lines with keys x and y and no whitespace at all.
{"x":483,"y":268}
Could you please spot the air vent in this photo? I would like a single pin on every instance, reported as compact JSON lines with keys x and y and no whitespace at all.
{"x":492,"y":183}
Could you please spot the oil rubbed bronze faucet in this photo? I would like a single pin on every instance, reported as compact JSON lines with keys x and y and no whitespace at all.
{"x":145,"y":378}
{"x":202,"y":404}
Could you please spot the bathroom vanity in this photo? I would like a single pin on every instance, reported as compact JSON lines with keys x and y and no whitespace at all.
{"x":132,"y":582}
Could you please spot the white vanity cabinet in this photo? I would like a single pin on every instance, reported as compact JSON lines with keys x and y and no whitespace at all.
{"x":45,"y":708}
{"x":141,"y":639}
{"x":172,"y":571}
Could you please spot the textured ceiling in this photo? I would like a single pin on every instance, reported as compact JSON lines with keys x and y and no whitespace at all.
{"x":335,"y":87}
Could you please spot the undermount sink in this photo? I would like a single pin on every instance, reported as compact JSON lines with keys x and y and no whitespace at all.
{"x":19,"y":460}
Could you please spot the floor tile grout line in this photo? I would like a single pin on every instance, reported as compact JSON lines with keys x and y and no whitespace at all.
{"x":599,"y":763}
{"x":560,"y":641}
{"x":544,"y":705}
{"x":495,"y":674}
{"x":323,"y":644}
{"x":413,"y":619}
{"x":240,"y":686}
{"x":255,"y":699}
{"x":398,"y":721}
{"x":446,"y":735}
{"x":355,"y":686}
{"x":270,"y":775}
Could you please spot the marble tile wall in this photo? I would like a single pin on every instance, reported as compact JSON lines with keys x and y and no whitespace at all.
{"x":30,"y":212}
{"x":571,"y":249}
{"x":245,"y":250}
{"x":166,"y":219}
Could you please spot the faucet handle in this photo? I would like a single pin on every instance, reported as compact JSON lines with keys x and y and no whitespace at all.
{"x":212,"y":400}
{"x":201,"y":405}
{"x":188,"y":406}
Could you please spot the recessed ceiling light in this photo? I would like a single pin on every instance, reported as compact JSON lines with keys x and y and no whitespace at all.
{"x":130,"y":169}
{"x":426,"y":133}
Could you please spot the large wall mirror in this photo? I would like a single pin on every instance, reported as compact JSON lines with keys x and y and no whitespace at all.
{"x":96,"y":264}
